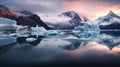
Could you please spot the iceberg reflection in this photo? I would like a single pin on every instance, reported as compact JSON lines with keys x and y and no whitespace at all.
{"x":110,"y":39}
{"x":7,"y":40}
{"x":86,"y":46}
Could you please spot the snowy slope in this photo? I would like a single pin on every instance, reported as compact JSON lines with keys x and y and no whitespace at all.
{"x":65,"y":20}
{"x":110,"y":21}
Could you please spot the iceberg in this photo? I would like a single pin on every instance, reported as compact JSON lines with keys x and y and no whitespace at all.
{"x":38,"y":31}
{"x":24,"y":30}
{"x":31,"y":39}
{"x":7,"y":24}
{"x":88,"y":26}
{"x":52,"y":33}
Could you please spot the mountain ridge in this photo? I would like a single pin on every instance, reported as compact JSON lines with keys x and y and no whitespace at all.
{"x":109,"y":21}
{"x":25,"y":20}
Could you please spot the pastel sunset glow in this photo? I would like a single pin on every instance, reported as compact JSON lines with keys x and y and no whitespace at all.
{"x":92,"y":47}
{"x":92,"y":8}
{"x":89,"y":8}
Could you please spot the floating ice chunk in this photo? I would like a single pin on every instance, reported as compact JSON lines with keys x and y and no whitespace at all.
{"x":52,"y":33}
{"x":31,"y":39}
{"x":13,"y":35}
{"x":23,"y":30}
{"x":38,"y":31}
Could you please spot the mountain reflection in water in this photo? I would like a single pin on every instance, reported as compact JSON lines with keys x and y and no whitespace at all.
{"x":87,"y":47}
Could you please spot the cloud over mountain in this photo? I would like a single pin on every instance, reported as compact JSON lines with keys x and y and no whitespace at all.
{"x":90,"y":8}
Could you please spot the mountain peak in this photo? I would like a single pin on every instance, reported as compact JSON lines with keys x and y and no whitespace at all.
{"x":70,"y":13}
{"x":2,"y":7}
{"x":111,"y":13}
{"x":75,"y":18}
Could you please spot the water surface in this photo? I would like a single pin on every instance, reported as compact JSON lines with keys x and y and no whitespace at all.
{"x":88,"y":47}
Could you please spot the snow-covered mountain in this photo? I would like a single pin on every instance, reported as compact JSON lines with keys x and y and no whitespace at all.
{"x":75,"y":18}
{"x":65,"y":20}
{"x":110,"y":21}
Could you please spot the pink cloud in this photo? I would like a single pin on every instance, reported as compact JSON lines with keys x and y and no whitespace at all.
{"x":91,"y":9}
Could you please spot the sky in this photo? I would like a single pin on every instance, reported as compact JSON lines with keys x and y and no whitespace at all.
{"x":89,"y":8}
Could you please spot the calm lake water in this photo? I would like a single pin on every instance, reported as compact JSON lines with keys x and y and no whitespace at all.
{"x":86,"y":48}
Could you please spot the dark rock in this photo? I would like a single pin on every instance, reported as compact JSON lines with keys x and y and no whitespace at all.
{"x":29,"y":19}
{"x":37,"y":19}
{"x":25,"y":21}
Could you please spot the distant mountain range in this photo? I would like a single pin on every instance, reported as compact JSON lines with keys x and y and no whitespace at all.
{"x":110,"y":21}
{"x":65,"y":20}
{"x":24,"y":18}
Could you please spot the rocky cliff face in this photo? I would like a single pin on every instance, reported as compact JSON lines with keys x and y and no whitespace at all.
{"x":6,"y":13}
{"x":26,"y":18}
